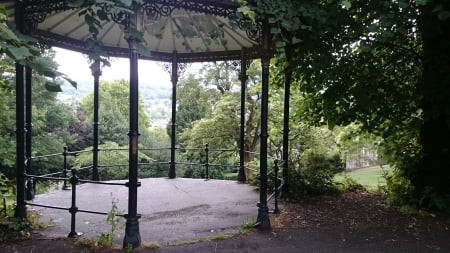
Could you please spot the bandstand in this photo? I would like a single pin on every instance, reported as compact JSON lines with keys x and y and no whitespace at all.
{"x":176,"y":32}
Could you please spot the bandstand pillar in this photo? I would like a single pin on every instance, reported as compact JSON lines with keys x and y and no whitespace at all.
{"x":20,"y":210}
{"x":132,"y":235}
{"x":263,"y":220}
{"x":29,"y":186}
{"x":287,"y":93}
{"x":243,"y":78}
{"x":96,"y":72}
{"x":173,"y":126}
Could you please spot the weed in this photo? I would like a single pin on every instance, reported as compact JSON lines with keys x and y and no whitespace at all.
{"x":248,"y":226}
{"x":106,"y":239}
{"x":12,"y":229}
{"x":129,"y":248}
{"x":217,"y":237}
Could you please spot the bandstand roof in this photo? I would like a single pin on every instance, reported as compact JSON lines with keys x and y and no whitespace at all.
{"x":198,"y":30}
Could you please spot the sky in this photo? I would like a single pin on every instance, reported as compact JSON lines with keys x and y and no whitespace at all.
{"x":76,"y":66}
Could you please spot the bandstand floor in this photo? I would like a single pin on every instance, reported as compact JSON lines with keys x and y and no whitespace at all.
{"x":172,"y":210}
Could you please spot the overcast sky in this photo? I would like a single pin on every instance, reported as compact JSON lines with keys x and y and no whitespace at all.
{"x":76,"y":66}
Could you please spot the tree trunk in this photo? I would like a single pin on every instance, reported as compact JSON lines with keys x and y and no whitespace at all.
{"x":434,"y":170}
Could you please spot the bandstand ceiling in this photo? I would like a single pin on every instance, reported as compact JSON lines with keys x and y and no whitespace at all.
{"x":197,"y":30}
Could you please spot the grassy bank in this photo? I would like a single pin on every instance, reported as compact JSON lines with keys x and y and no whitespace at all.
{"x":370,"y":177}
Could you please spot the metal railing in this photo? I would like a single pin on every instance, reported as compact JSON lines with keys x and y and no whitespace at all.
{"x":74,"y":179}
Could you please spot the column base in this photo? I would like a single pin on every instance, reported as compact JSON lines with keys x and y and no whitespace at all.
{"x":132,"y":236}
{"x":263,"y":220}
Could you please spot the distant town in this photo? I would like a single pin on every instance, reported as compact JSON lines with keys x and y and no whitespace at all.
{"x":157,"y":100}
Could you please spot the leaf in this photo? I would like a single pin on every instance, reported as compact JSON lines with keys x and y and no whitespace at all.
{"x":49,"y":73}
{"x":3,"y":11}
{"x":74,"y":3}
{"x":444,"y":15}
{"x":373,"y":27}
{"x":102,"y":15}
{"x":126,"y":2}
{"x":347,"y":4}
{"x":247,"y":12}
{"x":142,"y":50}
{"x":403,"y":4}
{"x":275,"y":30}
{"x":421,"y":2}
{"x":280,"y":44}
{"x":52,"y":86}
{"x":72,"y":82}
{"x":17,"y":53}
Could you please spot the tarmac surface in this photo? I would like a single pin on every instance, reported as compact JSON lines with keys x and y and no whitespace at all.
{"x":173,"y":210}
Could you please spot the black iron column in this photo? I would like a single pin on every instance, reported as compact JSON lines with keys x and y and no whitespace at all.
{"x":243,"y":78}
{"x":263,"y":211}
{"x":28,"y":135}
{"x":132,"y":235}
{"x":287,"y":93}
{"x":96,"y":72}
{"x":174,"y":79}
{"x":21,"y":209}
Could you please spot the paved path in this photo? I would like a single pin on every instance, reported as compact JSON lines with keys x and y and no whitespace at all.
{"x":172,"y":210}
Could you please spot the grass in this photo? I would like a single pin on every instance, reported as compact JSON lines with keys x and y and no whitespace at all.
{"x":245,"y":228}
{"x":370,"y":177}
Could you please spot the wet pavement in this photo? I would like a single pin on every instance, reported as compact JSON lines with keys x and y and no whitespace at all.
{"x":173,"y":210}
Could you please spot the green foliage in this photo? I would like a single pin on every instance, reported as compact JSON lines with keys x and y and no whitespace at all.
{"x":13,"y":229}
{"x":114,"y":114}
{"x":22,"y":49}
{"x":380,"y":65}
{"x":193,"y":102}
{"x":200,"y":172}
{"x":348,"y":184}
{"x":51,"y":123}
{"x":399,"y":190}
{"x":317,"y":173}
{"x":219,"y":102}
{"x":112,"y":159}
{"x":113,"y":219}
{"x":7,"y":196}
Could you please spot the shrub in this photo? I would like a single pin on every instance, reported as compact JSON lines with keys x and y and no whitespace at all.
{"x":399,"y":190}
{"x":317,"y":171}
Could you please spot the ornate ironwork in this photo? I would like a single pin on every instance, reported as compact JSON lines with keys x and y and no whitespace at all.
{"x":36,"y":11}
{"x":252,"y":29}
{"x":235,"y":65}
{"x":120,"y":17}
{"x":213,"y":7}
{"x":154,"y":11}
{"x":182,"y":66}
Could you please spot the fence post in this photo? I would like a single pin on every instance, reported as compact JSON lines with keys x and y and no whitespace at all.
{"x":206,"y":162}
{"x":65,"y":169}
{"x":275,"y":182}
{"x":73,"y":208}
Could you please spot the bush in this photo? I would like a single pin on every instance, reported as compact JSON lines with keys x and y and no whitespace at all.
{"x":314,"y":176}
{"x":318,"y":171}
{"x":399,"y":190}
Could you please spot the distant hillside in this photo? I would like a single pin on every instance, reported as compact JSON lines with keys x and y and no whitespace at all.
{"x":157,"y":99}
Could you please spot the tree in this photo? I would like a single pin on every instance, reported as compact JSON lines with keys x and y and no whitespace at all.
{"x":383,"y":65}
{"x":193,"y":102}
{"x":51,"y":121}
{"x":114,"y":113}
{"x":220,"y":126}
